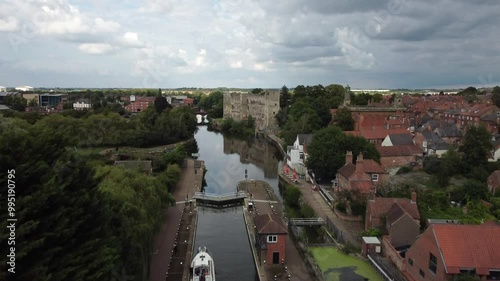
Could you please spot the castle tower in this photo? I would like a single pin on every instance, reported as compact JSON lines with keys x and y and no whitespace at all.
{"x":398,"y":100}
{"x":347,"y":96}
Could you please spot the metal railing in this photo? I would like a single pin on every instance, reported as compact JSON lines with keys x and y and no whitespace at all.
{"x":306,"y":221}
{"x":219,"y":197}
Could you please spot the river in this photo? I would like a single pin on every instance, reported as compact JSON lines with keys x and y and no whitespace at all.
{"x":223,"y":231}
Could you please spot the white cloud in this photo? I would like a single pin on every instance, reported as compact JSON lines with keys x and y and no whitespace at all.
{"x":201,"y":59}
{"x":9,"y":24}
{"x":95,"y":48}
{"x":131,"y":39}
{"x":105,"y":26}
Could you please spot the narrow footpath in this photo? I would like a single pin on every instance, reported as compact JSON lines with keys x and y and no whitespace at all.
{"x":163,"y":245}
{"x":349,"y":230}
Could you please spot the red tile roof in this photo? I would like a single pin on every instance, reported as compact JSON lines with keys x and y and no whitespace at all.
{"x":347,"y":170}
{"x":269,"y":224}
{"x":468,"y":246}
{"x":380,"y":206}
{"x":494,"y":178}
{"x":382,"y":133}
{"x":364,"y":186}
{"x":369,"y":166}
{"x":399,"y":150}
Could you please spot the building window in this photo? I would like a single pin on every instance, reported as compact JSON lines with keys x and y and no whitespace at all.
{"x":272,"y":238}
{"x":432,"y":263}
{"x":422,"y":273}
{"x":375,"y":177}
{"x":494,"y":275}
{"x":410,"y":261}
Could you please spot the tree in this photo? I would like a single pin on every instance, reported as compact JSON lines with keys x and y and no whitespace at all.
{"x":285,"y":98}
{"x":475,"y":147}
{"x":15,"y":102}
{"x":161,"y":104}
{"x":475,"y":190}
{"x":495,"y":97}
{"x":257,"y":91}
{"x":343,"y":119}
{"x":328,"y":148}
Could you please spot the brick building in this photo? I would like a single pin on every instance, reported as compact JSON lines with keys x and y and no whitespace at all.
{"x":362,"y":177}
{"x":138,"y":104}
{"x":270,"y":238}
{"x":447,"y":250}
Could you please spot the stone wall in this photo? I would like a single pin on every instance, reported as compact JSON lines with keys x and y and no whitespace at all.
{"x":263,"y":107}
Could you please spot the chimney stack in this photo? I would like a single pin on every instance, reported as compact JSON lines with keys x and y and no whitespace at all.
{"x":348,"y":157}
{"x":413,"y":197}
{"x":360,"y":157}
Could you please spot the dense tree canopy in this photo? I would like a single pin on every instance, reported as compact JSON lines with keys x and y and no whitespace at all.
{"x":326,"y":153}
{"x":76,"y":221}
{"x":475,"y":147}
{"x":495,"y":96}
{"x":343,"y":119}
{"x":213,"y":104}
{"x":309,"y":109}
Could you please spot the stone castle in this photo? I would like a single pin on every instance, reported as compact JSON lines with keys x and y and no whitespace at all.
{"x":262,"y":107}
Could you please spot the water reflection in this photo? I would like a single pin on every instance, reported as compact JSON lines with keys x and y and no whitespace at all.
{"x":256,"y":152}
{"x":226,"y":160}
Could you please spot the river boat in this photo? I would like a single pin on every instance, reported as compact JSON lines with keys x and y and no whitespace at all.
{"x":203,"y":267}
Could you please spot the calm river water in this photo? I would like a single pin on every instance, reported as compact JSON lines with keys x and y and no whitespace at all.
{"x":223,"y":231}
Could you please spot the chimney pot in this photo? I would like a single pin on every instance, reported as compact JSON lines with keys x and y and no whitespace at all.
{"x":413,"y":197}
{"x":348,"y":157}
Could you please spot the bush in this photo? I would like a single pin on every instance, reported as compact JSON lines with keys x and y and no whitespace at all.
{"x":358,"y":208}
{"x":404,"y":170}
{"x":341,"y":207}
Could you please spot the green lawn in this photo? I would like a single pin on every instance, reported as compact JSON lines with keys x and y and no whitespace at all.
{"x":336,"y":266}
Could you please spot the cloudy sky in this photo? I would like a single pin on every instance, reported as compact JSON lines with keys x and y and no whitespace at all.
{"x":249,"y":43}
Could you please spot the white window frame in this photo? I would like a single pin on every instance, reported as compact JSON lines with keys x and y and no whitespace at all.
{"x":272,"y":238}
{"x":374,"y":177}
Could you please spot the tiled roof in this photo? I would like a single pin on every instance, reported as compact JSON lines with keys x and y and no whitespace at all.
{"x":400,"y":139}
{"x":364,"y":186}
{"x":369,"y":166}
{"x":494,"y":178}
{"x":394,"y":213}
{"x":382,"y":133}
{"x":380,"y":206}
{"x":347,"y":170}
{"x":399,"y":150}
{"x":269,"y":224}
{"x":468,"y":246}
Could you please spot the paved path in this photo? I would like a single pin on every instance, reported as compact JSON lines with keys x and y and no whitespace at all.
{"x":164,"y":240}
{"x":323,"y":210}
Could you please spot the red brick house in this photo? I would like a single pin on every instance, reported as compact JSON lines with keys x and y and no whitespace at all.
{"x":446,"y":250}
{"x":494,"y":182}
{"x":140,"y":104}
{"x":270,"y":238}
{"x":361,"y":177}
{"x":377,"y":210}
{"x":394,"y":157}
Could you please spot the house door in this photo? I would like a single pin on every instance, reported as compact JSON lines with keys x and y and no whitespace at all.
{"x":276,"y":257}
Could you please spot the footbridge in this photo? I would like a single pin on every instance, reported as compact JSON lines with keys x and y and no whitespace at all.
{"x":306,"y":221}
{"x":220,"y":200}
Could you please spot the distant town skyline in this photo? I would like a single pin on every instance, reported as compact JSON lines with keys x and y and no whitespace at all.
{"x":379,"y":44}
